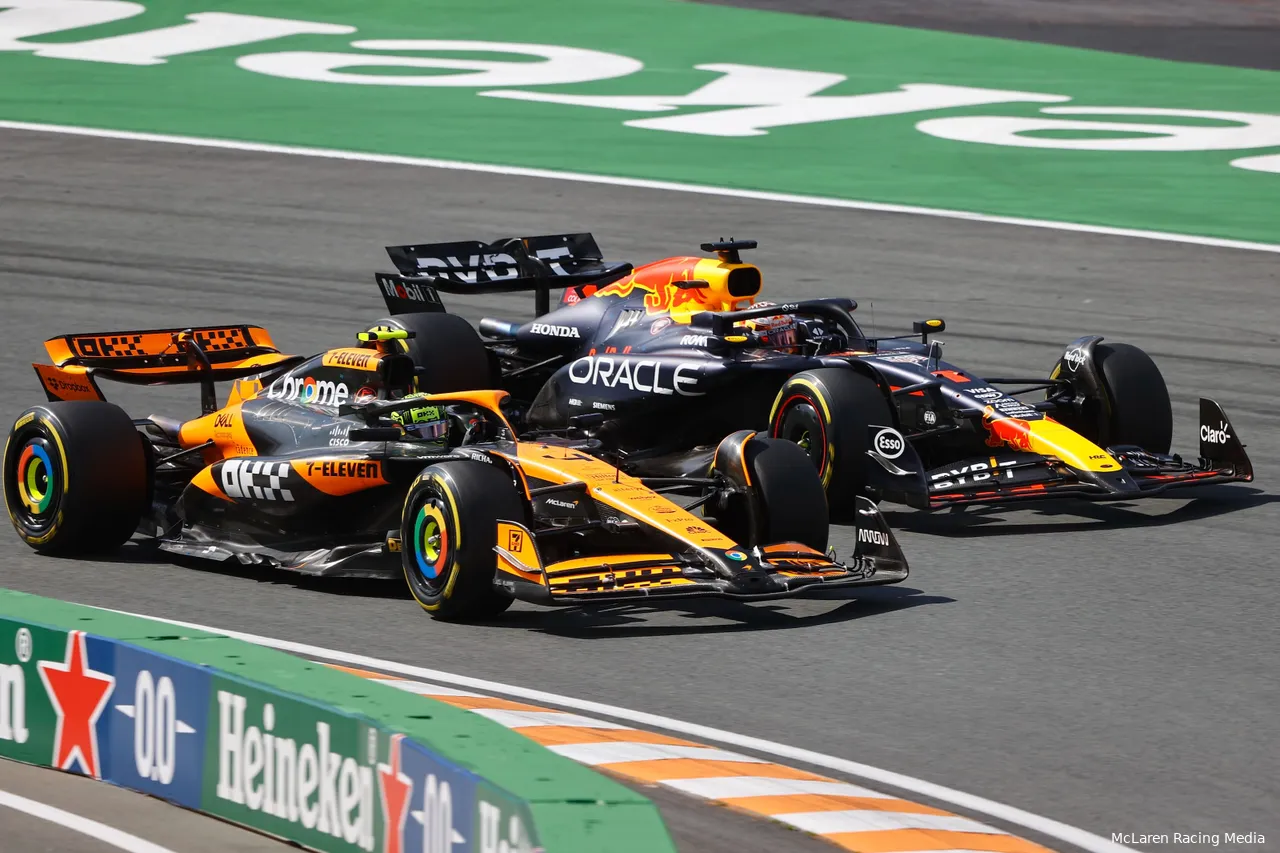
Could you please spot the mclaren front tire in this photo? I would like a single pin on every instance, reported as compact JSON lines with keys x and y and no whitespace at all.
{"x":448,"y":531}
{"x":779,"y":496}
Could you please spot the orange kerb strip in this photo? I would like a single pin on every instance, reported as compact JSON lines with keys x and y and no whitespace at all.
{"x":561,"y":735}
{"x":792,"y":803}
{"x":664,"y":769}
{"x":672,"y":769}
{"x":489,"y":702}
{"x":900,"y":840}
{"x":363,"y":673}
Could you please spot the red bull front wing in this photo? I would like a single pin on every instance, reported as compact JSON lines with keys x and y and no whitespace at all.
{"x":1042,"y":458}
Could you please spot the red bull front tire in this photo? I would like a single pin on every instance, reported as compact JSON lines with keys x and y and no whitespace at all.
{"x":827,"y":412}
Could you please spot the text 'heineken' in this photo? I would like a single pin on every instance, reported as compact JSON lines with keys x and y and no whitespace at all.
{"x":308,"y":784}
{"x":13,"y":703}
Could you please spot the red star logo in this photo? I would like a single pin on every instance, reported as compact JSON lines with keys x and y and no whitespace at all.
{"x":395,"y":789}
{"x":78,"y":695}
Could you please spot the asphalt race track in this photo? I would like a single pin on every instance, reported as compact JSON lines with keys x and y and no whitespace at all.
{"x":145,"y":818}
{"x":1112,"y":667}
{"x":1221,"y":32}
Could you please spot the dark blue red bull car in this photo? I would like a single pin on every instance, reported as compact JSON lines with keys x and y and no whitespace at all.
{"x":659,"y":360}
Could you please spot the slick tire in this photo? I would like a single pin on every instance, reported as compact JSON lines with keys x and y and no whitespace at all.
{"x":827,"y":412}
{"x":1137,"y":409}
{"x":448,"y":531}
{"x":447,"y":350}
{"x":76,"y":477}
{"x":790,"y":503}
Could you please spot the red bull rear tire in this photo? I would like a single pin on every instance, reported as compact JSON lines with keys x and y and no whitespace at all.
{"x":446,"y":349}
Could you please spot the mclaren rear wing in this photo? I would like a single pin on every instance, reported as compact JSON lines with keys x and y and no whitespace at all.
{"x":202,"y":355}
{"x":507,"y":265}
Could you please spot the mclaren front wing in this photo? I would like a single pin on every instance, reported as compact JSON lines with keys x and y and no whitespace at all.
{"x":773,"y":571}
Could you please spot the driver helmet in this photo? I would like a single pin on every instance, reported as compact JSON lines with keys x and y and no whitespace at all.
{"x":427,"y":422}
{"x":779,"y":332}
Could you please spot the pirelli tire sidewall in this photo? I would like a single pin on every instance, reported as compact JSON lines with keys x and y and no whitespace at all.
{"x":448,"y":530}
{"x":76,"y":477}
{"x":788,"y":493}
{"x":448,"y":351}
{"x":1138,"y":407}
{"x":830,"y":409}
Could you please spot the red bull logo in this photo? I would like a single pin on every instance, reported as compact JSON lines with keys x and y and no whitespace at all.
{"x":623,"y":288}
{"x":671,"y":296}
{"x":661,"y":297}
{"x":1004,"y":431}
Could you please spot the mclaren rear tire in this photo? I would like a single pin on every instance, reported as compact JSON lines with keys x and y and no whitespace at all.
{"x":448,"y":352}
{"x":448,"y":530}
{"x":76,"y":477}
{"x":1138,"y":410}
{"x":827,"y":413}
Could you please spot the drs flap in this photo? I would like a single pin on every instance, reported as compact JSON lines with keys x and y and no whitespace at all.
{"x":168,"y":355}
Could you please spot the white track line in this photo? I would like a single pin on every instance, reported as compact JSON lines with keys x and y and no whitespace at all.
{"x":862,"y":820}
{"x":428,"y":689}
{"x":1081,"y":838}
{"x":527,"y":719}
{"x":638,"y":183}
{"x":736,"y":787}
{"x":616,"y":752}
{"x":83,"y":825}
